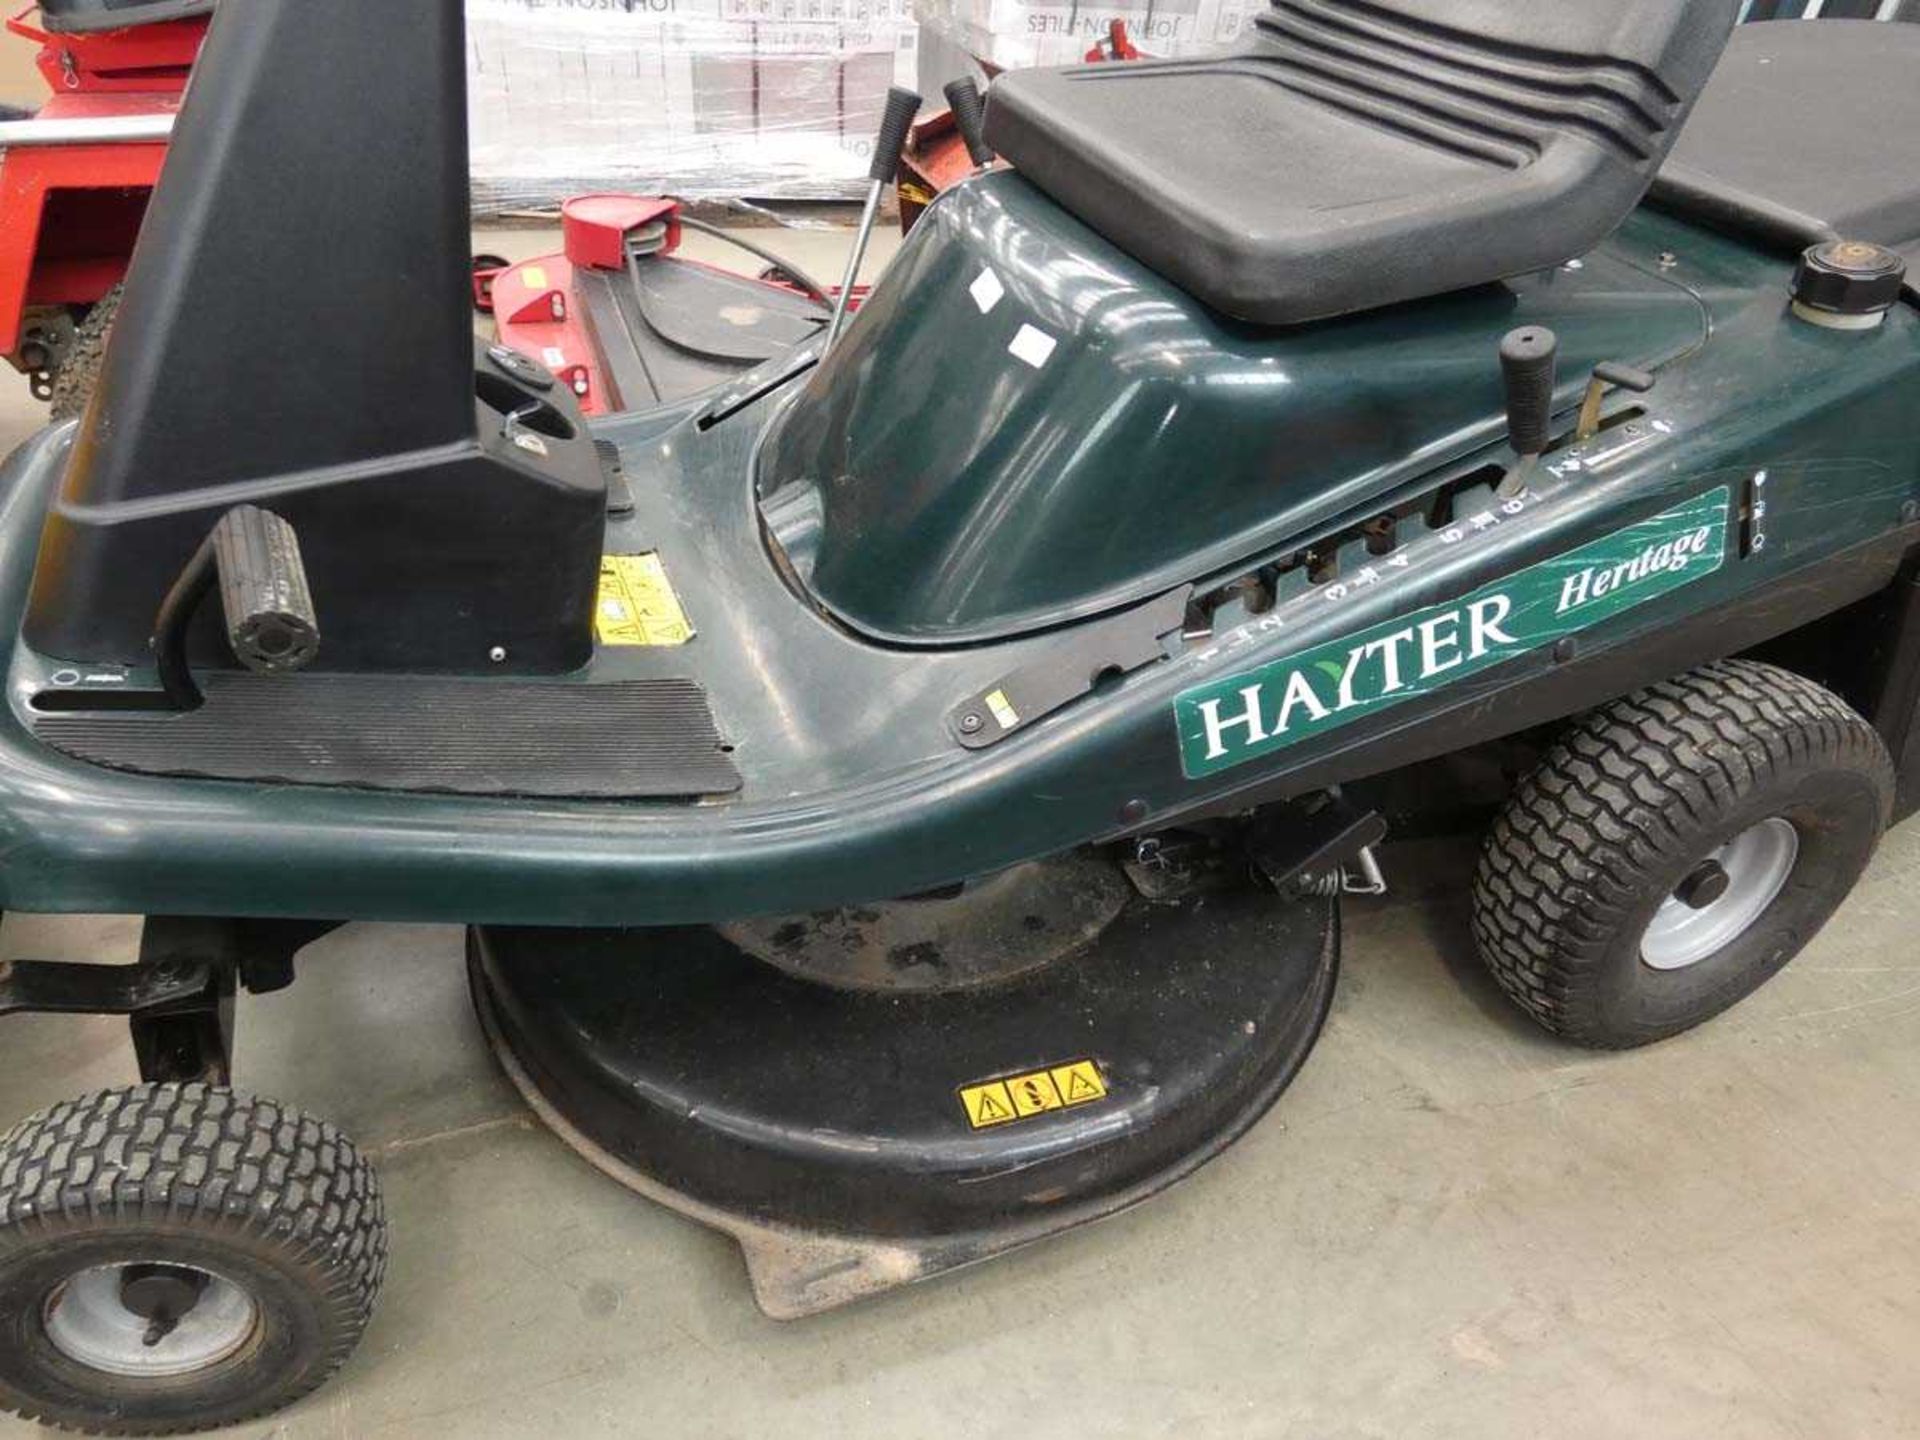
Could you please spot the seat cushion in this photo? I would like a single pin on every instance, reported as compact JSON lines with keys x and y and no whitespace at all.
{"x":1354,"y":155}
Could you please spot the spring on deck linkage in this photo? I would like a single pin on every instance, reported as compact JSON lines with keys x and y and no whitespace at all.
{"x":1363,"y":877}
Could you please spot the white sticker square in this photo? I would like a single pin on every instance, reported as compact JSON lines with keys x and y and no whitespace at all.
{"x":554,"y":357}
{"x":987,"y":291}
{"x":1033,"y":346}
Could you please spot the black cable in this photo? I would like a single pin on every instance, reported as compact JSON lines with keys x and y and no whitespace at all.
{"x":170,"y":627}
{"x":815,"y":291}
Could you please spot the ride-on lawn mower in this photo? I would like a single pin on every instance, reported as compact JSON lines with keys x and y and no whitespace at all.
{"x":950,"y":852}
{"x":75,"y":179}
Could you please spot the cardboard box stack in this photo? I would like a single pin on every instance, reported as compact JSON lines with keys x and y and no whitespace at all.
{"x":1014,"y":34}
{"x":764,"y":98}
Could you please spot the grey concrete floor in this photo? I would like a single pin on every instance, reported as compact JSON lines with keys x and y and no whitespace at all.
{"x":1451,"y":1226}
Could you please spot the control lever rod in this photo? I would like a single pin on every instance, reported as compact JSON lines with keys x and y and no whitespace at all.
{"x":902,"y":106}
{"x":1610,"y":374}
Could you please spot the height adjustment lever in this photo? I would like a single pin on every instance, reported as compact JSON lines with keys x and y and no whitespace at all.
{"x":1529,"y":363}
{"x":253,"y":557}
{"x":1529,"y":366}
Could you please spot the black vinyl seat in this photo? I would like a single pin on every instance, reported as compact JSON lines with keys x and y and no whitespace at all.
{"x":1359,"y":153}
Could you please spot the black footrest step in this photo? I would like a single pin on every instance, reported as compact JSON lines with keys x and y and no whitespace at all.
{"x":642,"y":739}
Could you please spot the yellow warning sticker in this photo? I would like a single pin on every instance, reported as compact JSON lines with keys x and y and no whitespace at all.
{"x":1003,"y":710}
{"x":987,"y":1105}
{"x":1079,"y":1082}
{"x":1033,"y":1094}
{"x":637,"y":603}
{"x":995,"y":1102}
{"x":535,"y":276}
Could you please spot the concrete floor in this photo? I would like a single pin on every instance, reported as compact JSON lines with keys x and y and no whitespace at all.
{"x":1451,"y":1226}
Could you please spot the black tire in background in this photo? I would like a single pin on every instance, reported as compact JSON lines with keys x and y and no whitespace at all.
{"x":483,"y":304}
{"x":272,"y":1213}
{"x":1664,"y":799}
{"x":79,"y":373}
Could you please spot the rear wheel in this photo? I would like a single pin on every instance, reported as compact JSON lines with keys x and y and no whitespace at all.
{"x":1676,"y":849}
{"x":178,"y":1257}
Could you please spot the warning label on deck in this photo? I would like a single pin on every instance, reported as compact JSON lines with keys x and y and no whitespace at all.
{"x":637,"y":604}
{"x":995,"y":1102}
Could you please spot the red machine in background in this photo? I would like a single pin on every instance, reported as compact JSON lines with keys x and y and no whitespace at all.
{"x":626,"y":322}
{"x":75,"y":179}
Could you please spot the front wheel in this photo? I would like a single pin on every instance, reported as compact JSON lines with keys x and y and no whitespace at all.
{"x":179,"y":1257}
{"x":1676,"y":849}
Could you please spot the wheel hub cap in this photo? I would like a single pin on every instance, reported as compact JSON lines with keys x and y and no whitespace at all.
{"x":1722,"y":897}
{"x":120,"y":1319}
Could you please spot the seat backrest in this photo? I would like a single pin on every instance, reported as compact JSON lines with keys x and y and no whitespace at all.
{"x":1359,"y":153}
{"x":1508,"y":75}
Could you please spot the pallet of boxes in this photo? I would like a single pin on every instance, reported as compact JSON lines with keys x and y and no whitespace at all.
{"x":697,"y":98}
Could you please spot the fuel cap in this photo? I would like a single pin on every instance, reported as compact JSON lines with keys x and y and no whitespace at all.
{"x":1847,"y":284}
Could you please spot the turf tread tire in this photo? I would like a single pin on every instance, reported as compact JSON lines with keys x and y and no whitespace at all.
{"x":1573,"y":853}
{"x":232,"y":1167}
{"x":79,"y":373}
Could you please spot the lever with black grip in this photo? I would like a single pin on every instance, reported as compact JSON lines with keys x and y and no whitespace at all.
{"x":970,"y":118}
{"x":895,"y":122}
{"x":1529,"y":363}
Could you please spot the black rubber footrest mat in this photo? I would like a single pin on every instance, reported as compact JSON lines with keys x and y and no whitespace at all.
{"x":652,"y":739}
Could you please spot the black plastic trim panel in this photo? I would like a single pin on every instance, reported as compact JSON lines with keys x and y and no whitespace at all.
{"x":643,"y":739}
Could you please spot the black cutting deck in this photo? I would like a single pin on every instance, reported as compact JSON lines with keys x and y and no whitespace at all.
{"x":643,"y":739}
{"x":853,"y":1140}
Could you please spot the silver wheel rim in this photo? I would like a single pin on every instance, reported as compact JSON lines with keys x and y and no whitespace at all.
{"x":88,"y":1324}
{"x":1757,"y":862}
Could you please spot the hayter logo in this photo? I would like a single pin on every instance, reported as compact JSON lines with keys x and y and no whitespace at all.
{"x":1229,"y":722}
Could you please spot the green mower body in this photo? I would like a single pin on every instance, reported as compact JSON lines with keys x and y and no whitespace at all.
{"x":1116,"y":544}
{"x":900,"y":799}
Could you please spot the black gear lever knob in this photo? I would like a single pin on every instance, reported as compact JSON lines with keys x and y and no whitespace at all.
{"x":1529,"y":360}
{"x":895,"y":121}
{"x":970,"y":116}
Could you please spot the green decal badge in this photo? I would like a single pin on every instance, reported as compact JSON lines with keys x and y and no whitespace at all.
{"x":1229,"y":722}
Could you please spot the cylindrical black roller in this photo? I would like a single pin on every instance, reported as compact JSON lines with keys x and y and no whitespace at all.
{"x":970,"y":116}
{"x":271,"y":622}
{"x":1528,"y":360}
{"x":902,"y":106}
